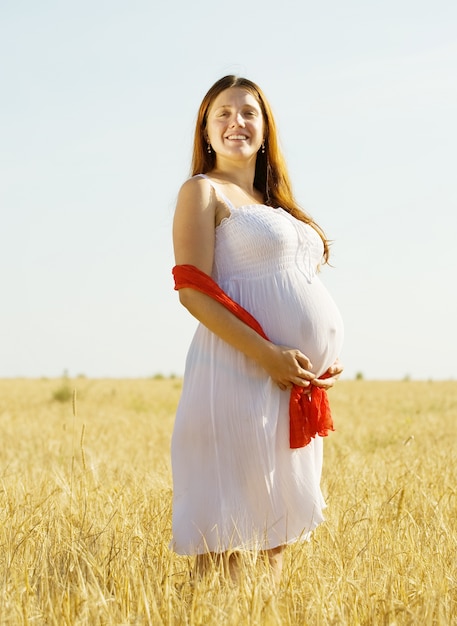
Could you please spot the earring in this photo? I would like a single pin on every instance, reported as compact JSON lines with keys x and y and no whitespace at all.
{"x":263,"y":147}
{"x":209,"y":148}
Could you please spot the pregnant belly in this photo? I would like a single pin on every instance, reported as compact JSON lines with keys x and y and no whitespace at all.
{"x":310,"y":321}
{"x":321,"y":338}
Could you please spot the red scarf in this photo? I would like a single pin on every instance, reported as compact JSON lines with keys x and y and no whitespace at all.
{"x":309,"y":412}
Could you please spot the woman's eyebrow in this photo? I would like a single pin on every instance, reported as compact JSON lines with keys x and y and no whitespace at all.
{"x":229,"y":106}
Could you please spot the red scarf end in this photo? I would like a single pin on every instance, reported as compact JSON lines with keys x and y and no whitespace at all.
{"x":309,"y":416}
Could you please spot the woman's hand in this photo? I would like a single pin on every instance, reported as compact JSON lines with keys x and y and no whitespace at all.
{"x":327,"y":380}
{"x":288,"y":367}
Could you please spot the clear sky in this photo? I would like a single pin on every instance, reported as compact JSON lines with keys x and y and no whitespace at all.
{"x":98,"y":104}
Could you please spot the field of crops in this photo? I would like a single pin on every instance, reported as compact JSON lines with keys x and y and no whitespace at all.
{"x":85,"y":510}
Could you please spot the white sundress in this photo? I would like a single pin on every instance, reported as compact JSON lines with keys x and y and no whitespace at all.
{"x":236,"y":482}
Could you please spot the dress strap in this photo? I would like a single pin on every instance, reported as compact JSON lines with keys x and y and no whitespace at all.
{"x":218,"y":193}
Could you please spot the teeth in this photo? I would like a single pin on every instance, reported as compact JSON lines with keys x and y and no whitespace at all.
{"x":237,"y":137}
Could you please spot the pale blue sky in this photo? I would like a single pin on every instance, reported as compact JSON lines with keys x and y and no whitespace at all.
{"x":98,"y":103}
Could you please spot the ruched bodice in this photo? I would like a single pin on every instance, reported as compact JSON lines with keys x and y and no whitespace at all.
{"x":257,"y":240}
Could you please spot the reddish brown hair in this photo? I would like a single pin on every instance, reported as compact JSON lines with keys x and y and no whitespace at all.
{"x":271,"y":176}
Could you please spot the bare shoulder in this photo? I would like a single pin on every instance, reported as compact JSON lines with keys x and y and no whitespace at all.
{"x":196,"y":192}
{"x":194,"y":224}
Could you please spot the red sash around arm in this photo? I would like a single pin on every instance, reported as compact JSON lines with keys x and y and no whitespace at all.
{"x":309,"y":413}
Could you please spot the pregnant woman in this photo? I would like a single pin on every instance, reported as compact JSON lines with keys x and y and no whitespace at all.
{"x":265,"y":351}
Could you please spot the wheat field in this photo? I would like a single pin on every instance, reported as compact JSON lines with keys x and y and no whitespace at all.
{"x":85,"y":512}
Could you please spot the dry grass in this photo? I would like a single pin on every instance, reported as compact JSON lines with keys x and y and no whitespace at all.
{"x":85,"y":513}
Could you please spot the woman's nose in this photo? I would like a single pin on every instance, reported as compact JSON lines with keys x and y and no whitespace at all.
{"x":237,"y":120}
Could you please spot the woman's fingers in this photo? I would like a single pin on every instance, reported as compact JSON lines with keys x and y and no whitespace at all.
{"x":299,"y":382}
{"x":291,"y":367}
{"x":336,"y":368}
{"x":304,"y":377}
{"x":324,"y":383}
{"x":303,"y":361}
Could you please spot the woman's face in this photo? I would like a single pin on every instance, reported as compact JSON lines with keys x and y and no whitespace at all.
{"x":235,"y":125}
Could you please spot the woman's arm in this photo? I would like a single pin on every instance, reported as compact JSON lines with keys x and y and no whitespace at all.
{"x":193,"y":240}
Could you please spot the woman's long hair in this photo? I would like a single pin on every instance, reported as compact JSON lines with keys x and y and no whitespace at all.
{"x":271,"y":176}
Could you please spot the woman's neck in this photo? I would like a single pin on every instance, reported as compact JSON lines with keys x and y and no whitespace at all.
{"x":242,"y":177}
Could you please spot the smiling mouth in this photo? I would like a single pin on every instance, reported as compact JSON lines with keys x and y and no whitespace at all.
{"x":236,"y":137}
